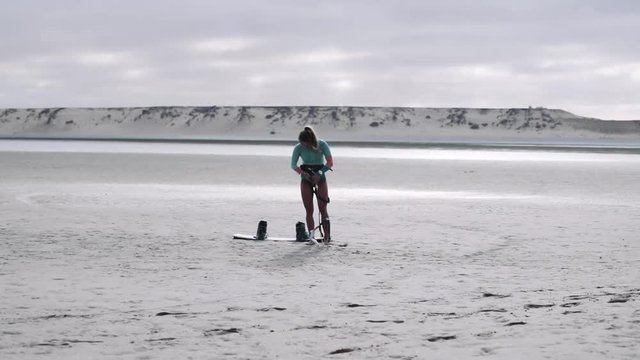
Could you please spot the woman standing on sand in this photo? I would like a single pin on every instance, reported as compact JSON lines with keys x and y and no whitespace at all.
{"x":313,"y":152}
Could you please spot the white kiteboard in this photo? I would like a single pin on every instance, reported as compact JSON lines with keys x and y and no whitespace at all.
{"x":285,"y":239}
{"x":271,"y":238}
{"x":268,"y":238}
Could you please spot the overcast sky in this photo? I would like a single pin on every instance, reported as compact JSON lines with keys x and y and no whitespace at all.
{"x":582,"y":56}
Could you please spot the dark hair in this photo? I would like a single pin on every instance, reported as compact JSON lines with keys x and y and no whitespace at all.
{"x":309,"y":136}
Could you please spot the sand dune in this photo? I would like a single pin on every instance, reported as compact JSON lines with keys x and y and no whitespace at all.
{"x":334,"y":123}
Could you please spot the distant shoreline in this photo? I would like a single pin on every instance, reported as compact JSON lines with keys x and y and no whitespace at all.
{"x":453,"y":144}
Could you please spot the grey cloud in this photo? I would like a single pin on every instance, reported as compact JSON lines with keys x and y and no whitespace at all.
{"x":429,"y":53}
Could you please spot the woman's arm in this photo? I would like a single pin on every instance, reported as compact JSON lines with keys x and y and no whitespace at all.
{"x":326,"y":150}
{"x":294,"y":159}
{"x":329,"y":164}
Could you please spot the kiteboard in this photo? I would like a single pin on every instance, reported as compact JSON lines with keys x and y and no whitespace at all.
{"x":272,"y":238}
{"x":286,"y":239}
{"x":261,"y":235}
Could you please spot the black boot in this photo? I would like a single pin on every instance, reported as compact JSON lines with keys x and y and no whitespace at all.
{"x":261,"y":233}
{"x":301,"y":232}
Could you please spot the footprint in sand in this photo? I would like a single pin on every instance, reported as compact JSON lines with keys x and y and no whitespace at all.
{"x":166,"y":313}
{"x":343,"y":351}
{"x":515,"y":323}
{"x":221,"y":331}
{"x":272,"y":308}
{"x":538,"y":306}
{"x":357,"y":305}
{"x":441,"y":338}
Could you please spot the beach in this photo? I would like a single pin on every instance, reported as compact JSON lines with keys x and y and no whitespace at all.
{"x":125,"y":250}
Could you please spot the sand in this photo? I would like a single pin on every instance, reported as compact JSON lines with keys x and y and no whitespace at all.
{"x":496,"y":254}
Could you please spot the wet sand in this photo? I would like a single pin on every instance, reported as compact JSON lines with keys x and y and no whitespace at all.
{"x":130,"y":255}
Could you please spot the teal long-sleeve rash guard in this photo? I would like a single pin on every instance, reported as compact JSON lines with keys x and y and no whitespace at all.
{"x":310,"y":156}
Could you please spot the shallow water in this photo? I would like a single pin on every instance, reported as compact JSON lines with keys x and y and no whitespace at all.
{"x":359,"y":152}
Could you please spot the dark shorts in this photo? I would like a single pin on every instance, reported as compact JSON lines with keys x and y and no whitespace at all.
{"x":312,"y":170}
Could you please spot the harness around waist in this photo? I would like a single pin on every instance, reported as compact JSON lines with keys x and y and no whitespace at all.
{"x":311,"y":169}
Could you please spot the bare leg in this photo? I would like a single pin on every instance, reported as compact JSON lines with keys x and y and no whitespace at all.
{"x":307,"y":200}
{"x":323,"y":197}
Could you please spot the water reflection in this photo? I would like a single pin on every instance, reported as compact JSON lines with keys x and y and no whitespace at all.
{"x":433,"y":154}
{"x":289,"y":193}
